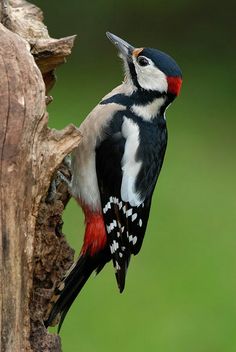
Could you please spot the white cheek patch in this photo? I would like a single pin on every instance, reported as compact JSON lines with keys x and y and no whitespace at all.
{"x":130,"y":166}
{"x":150,"y":77}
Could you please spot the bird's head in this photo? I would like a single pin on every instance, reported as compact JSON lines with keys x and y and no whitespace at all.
{"x":149,"y":69}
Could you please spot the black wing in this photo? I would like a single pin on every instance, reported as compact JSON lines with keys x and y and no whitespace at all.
{"x":126,"y":224}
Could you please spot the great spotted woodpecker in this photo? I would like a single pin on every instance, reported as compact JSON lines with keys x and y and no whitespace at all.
{"x":116,"y":166}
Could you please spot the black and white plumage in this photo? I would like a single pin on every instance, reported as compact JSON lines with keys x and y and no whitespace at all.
{"x":117,"y":164}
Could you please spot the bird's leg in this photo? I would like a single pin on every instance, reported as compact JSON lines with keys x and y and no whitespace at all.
{"x":67,"y":162}
{"x":58,"y":179}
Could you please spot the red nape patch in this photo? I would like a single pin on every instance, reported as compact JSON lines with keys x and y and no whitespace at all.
{"x":174,"y":85}
{"x":95,"y":233}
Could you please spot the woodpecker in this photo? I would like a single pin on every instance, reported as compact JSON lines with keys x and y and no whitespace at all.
{"x":116,"y":166}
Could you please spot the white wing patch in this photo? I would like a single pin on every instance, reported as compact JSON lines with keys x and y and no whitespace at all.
{"x":130,"y":166}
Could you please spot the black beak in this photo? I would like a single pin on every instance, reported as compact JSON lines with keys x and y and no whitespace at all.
{"x":124,"y":48}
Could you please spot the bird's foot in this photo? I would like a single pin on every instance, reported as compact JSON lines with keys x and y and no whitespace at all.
{"x":58,"y":179}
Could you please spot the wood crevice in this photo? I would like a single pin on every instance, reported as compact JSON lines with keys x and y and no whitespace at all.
{"x":34,"y":254}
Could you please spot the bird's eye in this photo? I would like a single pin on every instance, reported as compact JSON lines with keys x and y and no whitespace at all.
{"x":142,"y":61}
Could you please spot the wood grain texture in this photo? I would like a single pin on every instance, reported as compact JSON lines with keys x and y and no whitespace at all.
{"x":33,"y":251}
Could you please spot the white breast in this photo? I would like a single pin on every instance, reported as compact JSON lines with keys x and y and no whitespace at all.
{"x":84,"y":179}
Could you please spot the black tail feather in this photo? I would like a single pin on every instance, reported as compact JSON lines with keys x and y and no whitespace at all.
{"x":68,"y":290}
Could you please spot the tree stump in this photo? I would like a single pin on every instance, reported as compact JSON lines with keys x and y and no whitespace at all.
{"x":33,"y":250}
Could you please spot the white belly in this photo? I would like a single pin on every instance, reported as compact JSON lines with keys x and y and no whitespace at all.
{"x":84,"y":175}
{"x":84,"y":179}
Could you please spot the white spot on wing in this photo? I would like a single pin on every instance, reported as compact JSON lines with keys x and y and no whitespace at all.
{"x":135,"y":240}
{"x":114,"y":246}
{"x":111,"y":227}
{"x":129,"y":212}
{"x":132,"y":239}
{"x":117,"y":267}
{"x":113,"y":200}
{"x":107,"y":206}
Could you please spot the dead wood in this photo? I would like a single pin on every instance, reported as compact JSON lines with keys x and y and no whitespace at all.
{"x":33,"y":250}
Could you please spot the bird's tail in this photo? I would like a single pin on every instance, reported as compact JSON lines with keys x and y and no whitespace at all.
{"x":69,"y":288}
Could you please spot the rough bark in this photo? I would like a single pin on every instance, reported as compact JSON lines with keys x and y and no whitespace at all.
{"x":33,"y":251}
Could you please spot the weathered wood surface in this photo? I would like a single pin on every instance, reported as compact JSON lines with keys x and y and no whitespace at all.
{"x":33,"y":251}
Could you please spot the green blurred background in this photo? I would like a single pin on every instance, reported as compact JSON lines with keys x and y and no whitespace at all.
{"x":181,"y":289}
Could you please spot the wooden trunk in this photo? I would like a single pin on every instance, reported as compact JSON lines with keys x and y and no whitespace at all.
{"x":33,"y":251}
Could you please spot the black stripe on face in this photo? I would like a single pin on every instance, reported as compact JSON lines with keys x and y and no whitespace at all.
{"x":133,"y":74}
